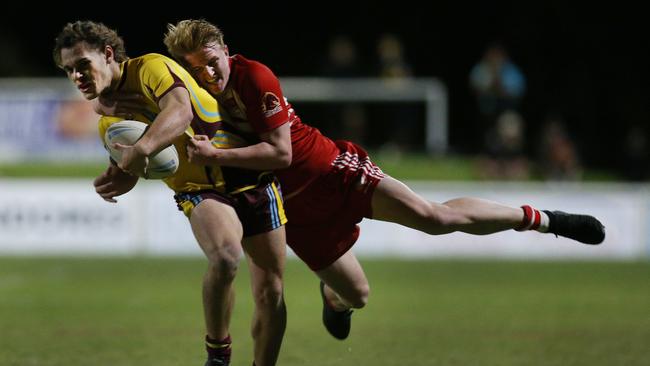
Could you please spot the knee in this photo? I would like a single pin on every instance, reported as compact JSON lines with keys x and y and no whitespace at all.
{"x":270,"y":294}
{"x":439,"y":218}
{"x":359,"y":297}
{"x":223,"y":264}
{"x":430,"y":213}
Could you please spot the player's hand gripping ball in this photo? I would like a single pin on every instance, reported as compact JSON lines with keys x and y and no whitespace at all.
{"x":161,"y":164}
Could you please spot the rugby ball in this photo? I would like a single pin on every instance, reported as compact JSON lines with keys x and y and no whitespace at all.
{"x":161,"y":165}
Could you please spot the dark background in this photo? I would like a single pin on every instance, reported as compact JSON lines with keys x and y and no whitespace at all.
{"x":587,"y":64}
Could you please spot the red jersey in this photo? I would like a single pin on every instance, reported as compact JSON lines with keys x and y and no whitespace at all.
{"x":255,"y":103}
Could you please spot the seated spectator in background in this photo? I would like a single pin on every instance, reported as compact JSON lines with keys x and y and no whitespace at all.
{"x":498,"y":84}
{"x":391,"y":58}
{"x":392,"y":66}
{"x":558,"y":158}
{"x":342,"y":58}
{"x":505,"y":158}
{"x":349,"y":118}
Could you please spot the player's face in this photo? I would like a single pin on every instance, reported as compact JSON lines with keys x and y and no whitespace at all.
{"x":211,"y":67}
{"x":87,"y":68}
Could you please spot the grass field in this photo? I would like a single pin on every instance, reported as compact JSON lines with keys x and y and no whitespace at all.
{"x":411,"y":167}
{"x":146,"y":311}
{"x":406,"y":166}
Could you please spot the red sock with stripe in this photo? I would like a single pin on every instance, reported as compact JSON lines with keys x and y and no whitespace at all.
{"x":534,"y":219}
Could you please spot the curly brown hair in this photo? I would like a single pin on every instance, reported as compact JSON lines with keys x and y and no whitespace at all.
{"x":95,"y":34}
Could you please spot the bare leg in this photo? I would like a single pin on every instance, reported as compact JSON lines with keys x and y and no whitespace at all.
{"x":266,"y":255}
{"x":395,"y":202}
{"x":346,"y":285}
{"x":343,"y":286}
{"x":219,"y":232}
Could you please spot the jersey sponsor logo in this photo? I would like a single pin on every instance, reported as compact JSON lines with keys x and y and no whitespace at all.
{"x":270,"y":104}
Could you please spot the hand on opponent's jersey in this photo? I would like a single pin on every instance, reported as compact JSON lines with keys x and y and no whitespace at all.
{"x":200,"y":150}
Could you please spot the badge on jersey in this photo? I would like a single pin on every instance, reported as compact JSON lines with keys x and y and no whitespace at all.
{"x":270,"y":104}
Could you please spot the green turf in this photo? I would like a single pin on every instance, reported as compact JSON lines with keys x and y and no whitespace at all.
{"x":52,"y":170}
{"x":414,"y":166}
{"x":76,"y":311}
{"x":424,"y":167}
{"x":411,"y":166}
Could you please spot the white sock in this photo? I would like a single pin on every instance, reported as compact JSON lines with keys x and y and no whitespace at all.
{"x":543,"y":222}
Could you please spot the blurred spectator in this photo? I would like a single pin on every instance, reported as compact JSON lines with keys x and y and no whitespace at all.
{"x":398,"y":120}
{"x":348,"y":119}
{"x":636,"y":155}
{"x":392,"y":63}
{"x":498,"y":84}
{"x":558,"y":158}
{"x":342,"y":58}
{"x":505,"y":158}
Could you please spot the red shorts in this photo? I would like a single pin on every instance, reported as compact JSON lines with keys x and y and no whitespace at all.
{"x":323,"y":217}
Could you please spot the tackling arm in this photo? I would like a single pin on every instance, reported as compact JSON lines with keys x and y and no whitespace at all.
{"x":274,"y":152}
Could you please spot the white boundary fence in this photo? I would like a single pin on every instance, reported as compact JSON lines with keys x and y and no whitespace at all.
{"x":67,"y":217}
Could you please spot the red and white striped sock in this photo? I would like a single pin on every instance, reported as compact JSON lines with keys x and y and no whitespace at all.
{"x":534,"y":219}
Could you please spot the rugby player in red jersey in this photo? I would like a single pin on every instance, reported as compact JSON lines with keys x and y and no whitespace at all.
{"x":330,"y":186}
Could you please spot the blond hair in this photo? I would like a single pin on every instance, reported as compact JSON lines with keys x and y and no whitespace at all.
{"x":189,"y":36}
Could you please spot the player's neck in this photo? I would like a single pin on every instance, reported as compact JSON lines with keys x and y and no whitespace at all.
{"x":117,"y":70}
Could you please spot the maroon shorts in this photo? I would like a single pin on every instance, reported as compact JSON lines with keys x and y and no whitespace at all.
{"x":259,"y":209}
{"x":323,"y":217}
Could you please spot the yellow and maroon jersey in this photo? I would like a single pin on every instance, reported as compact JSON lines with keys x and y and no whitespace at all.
{"x":153,"y":76}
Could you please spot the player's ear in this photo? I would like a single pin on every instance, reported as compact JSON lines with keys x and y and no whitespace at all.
{"x":109,"y":54}
{"x":225,"y":49}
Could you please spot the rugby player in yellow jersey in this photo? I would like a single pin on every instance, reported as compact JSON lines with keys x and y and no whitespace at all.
{"x":226,"y":207}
